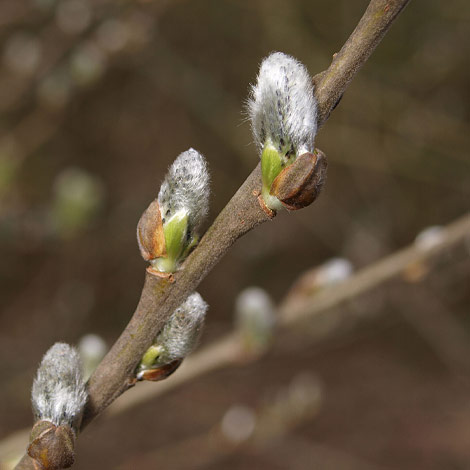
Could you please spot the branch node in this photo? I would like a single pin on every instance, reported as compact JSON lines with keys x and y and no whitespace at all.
{"x":269,"y":212}
{"x":160,"y":274}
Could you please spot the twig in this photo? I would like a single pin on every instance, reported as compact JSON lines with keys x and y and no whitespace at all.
{"x":294,"y":404}
{"x":160,"y":297}
{"x":332,"y":83}
{"x":295,"y":310}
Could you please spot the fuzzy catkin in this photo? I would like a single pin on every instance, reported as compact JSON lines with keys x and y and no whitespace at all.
{"x":255,"y":318}
{"x":186,"y":187}
{"x":59,"y":393}
{"x":181,"y":333}
{"x":282,"y":107}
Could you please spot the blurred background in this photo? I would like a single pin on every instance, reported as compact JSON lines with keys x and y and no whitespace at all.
{"x":96,"y":100}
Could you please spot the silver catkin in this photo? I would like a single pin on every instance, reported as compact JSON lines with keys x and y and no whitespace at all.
{"x":186,"y":187}
{"x":181,"y":333}
{"x":282,"y":106}
{"x":59,"y":393}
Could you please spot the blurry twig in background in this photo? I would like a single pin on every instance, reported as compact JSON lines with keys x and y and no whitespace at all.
{"x":437,"y":326}
{"x":80,"y":47}
{"x":244,"y":426}
{"x":294,"y":308}
{"x":263,"y":432}
{"x":315,"y":455}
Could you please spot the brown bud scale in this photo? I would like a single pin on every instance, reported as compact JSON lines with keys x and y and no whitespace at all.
{"x":150,"y":235}
{"x":160,"y":274}
{"x":300,"y":183}
{"x":52,"y":446}
{"x":160,"y":373}
{"x":269,"y":212}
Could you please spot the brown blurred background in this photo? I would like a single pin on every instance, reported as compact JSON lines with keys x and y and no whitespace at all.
{"x":96,"y":100}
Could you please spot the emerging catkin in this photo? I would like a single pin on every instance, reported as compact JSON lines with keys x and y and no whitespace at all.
{"x":169,"y":228}
{"x":182,"y":332}
{"x":186,"y":188}
{"x":282,"y":107}
{"x":283,"y":115}
{"x":59,"y":393}
{"x":178,"y":337}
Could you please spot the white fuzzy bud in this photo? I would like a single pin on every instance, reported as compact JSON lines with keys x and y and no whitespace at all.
{"x":186,"y":188}
{"x":167,"y":231}
{"x":59,"y":393}
{"x":92,"y":349}
{"x":328,"y":274}
{"x":178,"y":337}
{"x":429,"y":238}
{"x":181,"y":334}
{"x":238,"y":423}
{"x":255,"y":318}
{"x":282,"y":107}
{"x":333,"y":271}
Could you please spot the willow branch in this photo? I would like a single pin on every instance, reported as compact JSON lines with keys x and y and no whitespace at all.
{"x":332,"y":83}
{"x":160,"y":297}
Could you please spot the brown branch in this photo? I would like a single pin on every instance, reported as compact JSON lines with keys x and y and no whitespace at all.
{"x":159,"y":297}
{"x":332,"y":83}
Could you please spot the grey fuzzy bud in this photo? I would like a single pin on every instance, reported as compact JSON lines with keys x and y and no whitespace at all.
{"x":181,"y":333}
{"x":59,"y":393}
{"x":429,"y":238}
{"x":255,"y":319}
{"x":92,"y":349}
{"x":282,"y":107}
{"x":186,"y":187}
{"x":175,"y":341}
{"x":332,"y":272}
